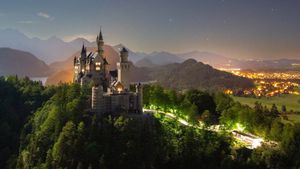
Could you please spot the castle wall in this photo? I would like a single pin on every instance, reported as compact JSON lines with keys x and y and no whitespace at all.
{"x":98,"y":102}
{"x":119,"y":102}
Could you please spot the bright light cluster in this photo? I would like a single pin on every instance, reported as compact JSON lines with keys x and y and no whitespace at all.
{"x":270,"y":84}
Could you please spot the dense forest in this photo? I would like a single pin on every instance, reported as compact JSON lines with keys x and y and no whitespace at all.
{"x":19,"y":99}
{"x":52,"y":127}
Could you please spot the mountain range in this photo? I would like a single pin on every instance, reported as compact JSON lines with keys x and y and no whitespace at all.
{"x":56,"y":50}
{"x":188,"y":74}
{"x":49,"y":50}
{"x":185,"y":70}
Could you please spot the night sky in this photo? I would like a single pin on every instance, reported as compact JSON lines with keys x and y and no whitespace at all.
{"x":234,"y":28}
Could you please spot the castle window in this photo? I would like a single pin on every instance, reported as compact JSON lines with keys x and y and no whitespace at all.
{"x":97,"y":63}
{"x":97,"y":68}
{"x":119,"y":89}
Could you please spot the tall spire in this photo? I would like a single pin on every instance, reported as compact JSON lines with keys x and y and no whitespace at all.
{"x":100,"y":43}
{"x":100,"y":34}
{"x":83,"y":48}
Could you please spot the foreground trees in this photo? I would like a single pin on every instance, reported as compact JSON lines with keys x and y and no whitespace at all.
{"x":58,"y":131}
{"x":63,"y":134}
{"x":212,"y":108}
{"x":19,"y":98}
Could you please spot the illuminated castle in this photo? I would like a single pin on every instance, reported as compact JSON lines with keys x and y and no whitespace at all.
{"x":110,"y":92}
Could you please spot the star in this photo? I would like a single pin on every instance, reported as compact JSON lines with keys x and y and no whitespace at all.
{"x":274,"y":9}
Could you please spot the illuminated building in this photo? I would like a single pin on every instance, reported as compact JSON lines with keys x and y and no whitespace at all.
{"x":110,"y":91}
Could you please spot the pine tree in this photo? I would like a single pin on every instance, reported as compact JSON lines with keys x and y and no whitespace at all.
{"x":274,"y":111}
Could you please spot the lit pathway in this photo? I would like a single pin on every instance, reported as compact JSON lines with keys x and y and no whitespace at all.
{"x":250,"y":140}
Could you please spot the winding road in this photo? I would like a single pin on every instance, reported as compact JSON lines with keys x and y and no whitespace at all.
{"x":251,"y":141}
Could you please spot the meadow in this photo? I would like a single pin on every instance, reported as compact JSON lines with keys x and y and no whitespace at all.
{"x":292,"y":102}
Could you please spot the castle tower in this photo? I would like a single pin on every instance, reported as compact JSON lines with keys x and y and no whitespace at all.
{"x":76,"y":69}
{"x":139,"y":91}
{"x":80,"y":65}
{"x":99,"y":66}
{"x":82,"y":59}
{"x":124,"y":69}
{"x":100,"y":43}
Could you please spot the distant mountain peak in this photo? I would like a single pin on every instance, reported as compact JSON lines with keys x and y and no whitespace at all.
{"x":160,"y":53}
{"x":83,"y":40}
{"x":55,"y":38}
{"x":190,"y":61}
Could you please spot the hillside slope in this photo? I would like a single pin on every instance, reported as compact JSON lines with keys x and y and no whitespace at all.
{"x":193,"y":74}
{"x":16,"y":62}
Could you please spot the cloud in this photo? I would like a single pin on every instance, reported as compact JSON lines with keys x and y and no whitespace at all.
{"x":89,"y":37}
{"x":25,"y":22}
{"x":45,"y":15}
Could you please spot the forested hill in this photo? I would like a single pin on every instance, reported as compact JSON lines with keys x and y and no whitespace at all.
{"x":193,"y":74}
{"x":63,"y":134}
{"x":52,"y":128}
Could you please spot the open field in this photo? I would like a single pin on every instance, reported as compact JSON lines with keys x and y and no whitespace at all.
{"x":295,"y":118}
{"x":292,"y":102}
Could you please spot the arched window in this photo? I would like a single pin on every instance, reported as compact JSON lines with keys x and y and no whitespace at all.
{"x":98,"y":66}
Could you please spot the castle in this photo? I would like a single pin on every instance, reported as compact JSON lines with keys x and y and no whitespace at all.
{"x":111,"y":89}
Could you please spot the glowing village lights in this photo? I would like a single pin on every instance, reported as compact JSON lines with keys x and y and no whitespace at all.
{"x":269,"y":83}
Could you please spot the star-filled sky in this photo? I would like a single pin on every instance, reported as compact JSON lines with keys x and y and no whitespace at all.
{"x":263,"y":29}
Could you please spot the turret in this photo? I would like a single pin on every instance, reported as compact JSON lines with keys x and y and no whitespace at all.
{"x":83,"y":53}
{"x":124,"y":55}
{"x":100,"y":43}
{"x":124,"y":69}
{"x":76,"y":69}
{"x":82,"y":59}
{"x":75,"y":60}
{"x":83,"y":50}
